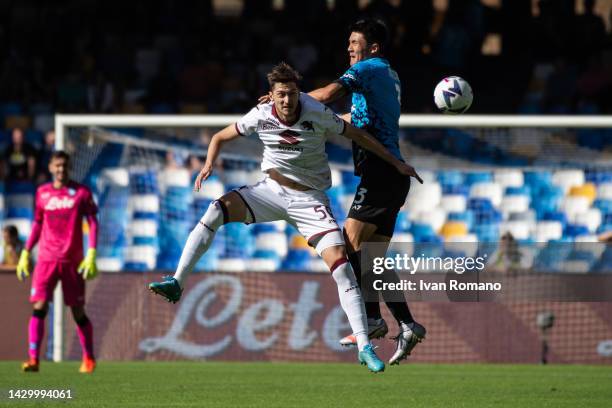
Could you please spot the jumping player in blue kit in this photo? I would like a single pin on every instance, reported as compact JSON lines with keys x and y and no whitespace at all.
{"x":376,"y":103}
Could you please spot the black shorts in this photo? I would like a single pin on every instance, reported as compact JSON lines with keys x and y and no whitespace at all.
{"x":379,"y":196}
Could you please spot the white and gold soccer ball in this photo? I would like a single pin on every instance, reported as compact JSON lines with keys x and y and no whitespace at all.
{"x":453,"y":95}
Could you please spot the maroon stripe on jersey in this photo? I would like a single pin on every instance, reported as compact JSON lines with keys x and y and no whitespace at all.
{"x":320,"y":234}
{"x":338,"y":263}
{"x":238,"y":130}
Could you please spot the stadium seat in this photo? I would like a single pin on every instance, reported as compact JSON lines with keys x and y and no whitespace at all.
{"x":573,"y":230}
{"x":453,"y":203}
{"x":107,"y":264}
{"x":140,"y":257}
{"x":573,"y":205}
{"x":402,"y":223}
{"x":43,"y":122}
{"x":350,"y":181}
{"x":453,"y":229}
{"x":474,"y":177}
{"x":232,"y":265}
{"x":567,"y":179}
{"x":264,"y":261}
{"x":537,"y":178}
{"x":520,"y":230}
{"x":591,"y":218}
{"x":144,"y":203}
{"x":434,"y":217}
{"x":548,"y":230}
{"x":450,"y":177}
{"x":604,"y":191}
{"x":296,"y":260}
{"x":453,"y":190}
{"x":514,"y":203}
{"x":522,"y":190}
{"x":466,"y":217}
{"x":490,"y":190}
{"x":587,"y":190}
{"x":509,"y":178}
{"x":114,"y":176}
{"x":211,"y":189}
{"x":421,"y":231}
{"x":529,"y":216}
{"x":423,"y":197}
{"x":271,"y":241}
{"x":486,"y":232}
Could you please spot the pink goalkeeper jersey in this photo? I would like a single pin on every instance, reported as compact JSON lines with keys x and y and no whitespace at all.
{"x":60,"y":213}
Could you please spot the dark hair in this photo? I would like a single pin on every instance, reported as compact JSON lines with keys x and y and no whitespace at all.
{"x":373,"y":30}
{"x":59,"y":154}
{"x":283,"y":73}
{"x":12,"y":231}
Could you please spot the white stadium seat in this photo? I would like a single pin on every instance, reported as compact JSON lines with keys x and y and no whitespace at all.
{"x":604,"y":191}
{"x":514,"y":204}
{"x":491,"y":190}
{"x":591,"y":218}
{"x":573,"y":205}
{"x":435,"y":218}
{"x":509,"y":178}
{"x":424,"y":197}
{"x":548,"y":230}
{"x":453,"y":203}
{"x":148,"y":203}
{"x":518,"y":229}
{"x":567,"y":179}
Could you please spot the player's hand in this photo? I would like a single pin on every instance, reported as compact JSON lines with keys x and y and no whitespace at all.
{"x":88,"y":267}
{"x":408,"y":170}
{"x":205,"y":173}
{"x":264,"y":99}
{"x":23,"y":266}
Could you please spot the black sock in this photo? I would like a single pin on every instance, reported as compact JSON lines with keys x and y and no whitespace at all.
{"x":370,"y":297}
{"x":396,"y":303}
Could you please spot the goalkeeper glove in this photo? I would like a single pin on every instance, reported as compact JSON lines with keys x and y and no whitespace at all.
{"x":23,"y":266}
{"x":88,"y":267}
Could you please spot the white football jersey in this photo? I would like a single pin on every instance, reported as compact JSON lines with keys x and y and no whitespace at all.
{"x":295,"y":150}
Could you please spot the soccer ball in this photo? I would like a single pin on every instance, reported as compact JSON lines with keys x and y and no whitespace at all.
{"x":453,"y":95}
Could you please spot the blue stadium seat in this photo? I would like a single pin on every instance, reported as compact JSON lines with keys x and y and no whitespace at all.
{"x":474,"y":177}
{"x":486,"y":232}
{"x":522,"y":190}
{"x":144,"y":182}
{"x":402,"y":223}
{"x":297,"y":259}
{"x":450,"y":178}
{"x":573,"y":231}
{"x":467,"y":217}
{"x":457,"y":189}
{"x":555,"y":216}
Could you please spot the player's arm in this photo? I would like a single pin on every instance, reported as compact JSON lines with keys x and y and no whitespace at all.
{"x":214,"y":148}
{"x":23,"y":266}
{"x":329,"y":93}
{"x":368,"y":142}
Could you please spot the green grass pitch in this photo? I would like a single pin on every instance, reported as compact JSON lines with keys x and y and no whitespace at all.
{"x":217,"y":384}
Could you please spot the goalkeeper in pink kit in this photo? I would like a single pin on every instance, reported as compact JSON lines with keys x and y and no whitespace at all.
{"x":58,"y":224}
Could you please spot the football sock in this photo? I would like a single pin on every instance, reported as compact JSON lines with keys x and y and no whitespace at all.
{"x":199,"y":239}
{"x":351,"y":301}
{"x":36,"y":333}
{"x":398,"y":307}
{"x":85,"y":332}
{"x":369,"y":295}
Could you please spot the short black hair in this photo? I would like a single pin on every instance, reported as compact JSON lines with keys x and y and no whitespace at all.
{"x":59,"y":154}
{"x":373,"y":30}
{"x":283,"y":73}
{"x":12,"y":231}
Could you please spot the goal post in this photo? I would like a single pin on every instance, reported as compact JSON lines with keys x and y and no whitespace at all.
{"x":484,"y":127}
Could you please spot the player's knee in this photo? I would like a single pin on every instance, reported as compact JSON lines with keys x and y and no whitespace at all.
{"x":78,"y":313}
{"x":40,"y":313}
{"x":82,"y":320}
{"x":215,"y":216}
{"x":353,"y":243}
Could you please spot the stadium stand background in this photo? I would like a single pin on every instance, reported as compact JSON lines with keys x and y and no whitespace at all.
{"x":137,"y":57}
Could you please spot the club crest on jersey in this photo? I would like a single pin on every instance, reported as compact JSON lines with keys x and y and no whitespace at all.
{"x":307,"y":125}
{"x":57,"y":203}
{"x":71,"y":191}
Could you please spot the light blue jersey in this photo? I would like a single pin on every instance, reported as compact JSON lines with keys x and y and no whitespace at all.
{"x":376,"y":103}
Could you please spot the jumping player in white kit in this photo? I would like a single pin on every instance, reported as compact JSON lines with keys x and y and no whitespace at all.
{"x":293,"y":128}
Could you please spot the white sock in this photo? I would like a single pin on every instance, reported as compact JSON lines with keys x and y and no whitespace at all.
{"x":352,"y":302}
{"x":199,"y":241}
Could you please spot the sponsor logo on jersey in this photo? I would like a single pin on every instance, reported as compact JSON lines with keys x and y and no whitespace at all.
{"x":268,"y":125}
{"x":307,"y":125}
{"x":289,"y":137}
{"x":59,"y":203}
